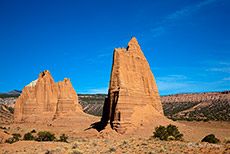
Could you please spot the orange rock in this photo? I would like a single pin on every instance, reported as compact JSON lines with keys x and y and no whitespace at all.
{"x":45,"y":97}
{"x":132,"y":89}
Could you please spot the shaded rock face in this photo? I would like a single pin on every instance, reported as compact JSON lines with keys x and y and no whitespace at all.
{"x":132,"y":90}
{"x":45,"y":97}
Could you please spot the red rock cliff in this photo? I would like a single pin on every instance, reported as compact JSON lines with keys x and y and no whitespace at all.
{"x":45,"y":97}
{"x":133,"y":95}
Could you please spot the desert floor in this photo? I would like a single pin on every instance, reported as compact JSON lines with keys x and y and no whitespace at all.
{"x":131,"y":145}
{"x":91,"y":141}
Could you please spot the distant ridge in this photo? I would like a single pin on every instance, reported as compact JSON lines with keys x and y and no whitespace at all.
{"x":204,"y":96}
{"x":209,"y":92}
{"x":15,"y":92}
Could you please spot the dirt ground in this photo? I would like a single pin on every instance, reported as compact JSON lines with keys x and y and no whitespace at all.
{"x":131,"y":145}
{"x":84,"y":139}
{"x":195,"y":131}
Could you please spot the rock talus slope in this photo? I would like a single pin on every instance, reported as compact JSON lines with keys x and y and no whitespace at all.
{"x":43,"y":98}
{"x":133,"y":96}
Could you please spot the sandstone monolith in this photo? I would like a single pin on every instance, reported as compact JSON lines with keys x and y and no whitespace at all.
{"x":43,"y":99}
{"x":133,"y":96}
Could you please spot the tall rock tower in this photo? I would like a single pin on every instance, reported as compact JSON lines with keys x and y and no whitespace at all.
{"x":45,"y":99}
{"x":133,"y":95}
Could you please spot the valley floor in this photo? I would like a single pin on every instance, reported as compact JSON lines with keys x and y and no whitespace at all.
{"x":132,"y":145}
{"x":93,"y":141}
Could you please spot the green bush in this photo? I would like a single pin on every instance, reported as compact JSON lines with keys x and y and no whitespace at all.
{"x":167,"y":133}
{"x":28,"y":136}
{"x":45,"y":136}
{"x":210,"y":139}
{"x":173,"y":131}
{"x":16,"y":136}
{"x":63,"y":138}
{"x":160,"y":132}
{"x":13,"y":139}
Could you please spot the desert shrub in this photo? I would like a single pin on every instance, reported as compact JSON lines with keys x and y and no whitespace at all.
{"x":6,"y":132}
{"x":11,"y":110}
{"x":113,"y":149}
{"x":161,"y":133}
{"x":210,"y":139}
{"x":33,"y":131}
{"x":16,"y":135}
{"x":170,"y":138}
{"x":167,"y":133}
{"x":173,"y":131}
{"x":49,"y":152}
{"x":2,"y":127}
{"x":75,"y":151}
{"x":63,"y":138}
{"x":66,"y":147}
{"x":227,"y":140}
{"x":75,"y":145}
{"x":53,"y":151}
{"x":13,"y":139}
{"x":45,"y":136}
{"x":28,"y":136}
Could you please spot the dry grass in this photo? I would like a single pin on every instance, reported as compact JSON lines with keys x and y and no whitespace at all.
{"x":132,"y":145}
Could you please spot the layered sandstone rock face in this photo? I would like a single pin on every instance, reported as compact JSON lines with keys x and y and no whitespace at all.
{"x":133,"y":96}
{"x":196,"y":97}
{"x":45,"y":98}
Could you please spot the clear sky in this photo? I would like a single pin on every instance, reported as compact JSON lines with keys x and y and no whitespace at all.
{"x":186,"y":42}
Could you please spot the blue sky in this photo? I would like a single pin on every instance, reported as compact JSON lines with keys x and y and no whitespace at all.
{"x":186,"y":42}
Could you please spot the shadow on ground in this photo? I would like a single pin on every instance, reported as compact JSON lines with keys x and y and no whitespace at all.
{"x":99,"y":126}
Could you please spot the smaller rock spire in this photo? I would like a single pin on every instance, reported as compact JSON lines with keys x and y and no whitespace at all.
{"x":45,"y":97}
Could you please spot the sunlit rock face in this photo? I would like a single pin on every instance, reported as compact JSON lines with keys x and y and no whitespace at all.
{"x":45,"y":99}
{"x":133,"y":96}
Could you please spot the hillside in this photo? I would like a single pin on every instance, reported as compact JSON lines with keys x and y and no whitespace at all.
{"x":198,"y":106}
{"x":7,"y":108}
{"x":186,"y":106}
{"x":6,"y":113}
{"x":92,"y":104}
